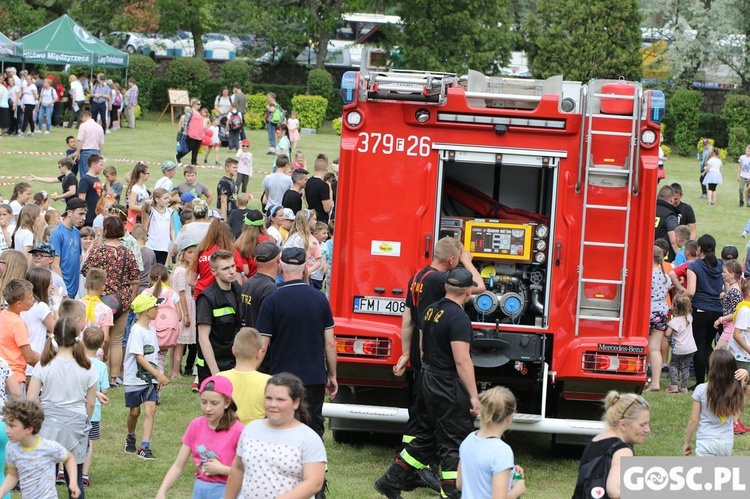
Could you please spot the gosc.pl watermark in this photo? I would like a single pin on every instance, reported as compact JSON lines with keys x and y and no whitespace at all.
{"x":685,"y":477}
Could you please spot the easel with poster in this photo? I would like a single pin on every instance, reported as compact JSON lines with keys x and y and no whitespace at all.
{"x":177,"y":98}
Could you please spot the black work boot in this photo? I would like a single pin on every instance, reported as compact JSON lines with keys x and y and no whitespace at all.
{"x":390,"y":484}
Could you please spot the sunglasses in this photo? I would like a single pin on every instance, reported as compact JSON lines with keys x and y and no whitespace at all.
{"x":640,"y":401}
{"x":117,"y":211}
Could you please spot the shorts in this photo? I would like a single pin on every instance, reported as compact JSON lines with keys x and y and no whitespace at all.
{"x":208,"y":490}
{"x":658,"y":321}
{"x":712,"y":187}
{"x":713,"y":447}
{"x":141,"y":396}
{"x":94,"y":431}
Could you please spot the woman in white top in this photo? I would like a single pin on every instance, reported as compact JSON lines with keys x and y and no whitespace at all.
{"x":29,"y":101}
{"x":223,"y":102}
{"x":47,"y":99}
{"x":77,"y":99}
{"x":712,"y":174}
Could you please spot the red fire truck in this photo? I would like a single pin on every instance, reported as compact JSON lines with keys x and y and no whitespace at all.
{"x":550,"y":184}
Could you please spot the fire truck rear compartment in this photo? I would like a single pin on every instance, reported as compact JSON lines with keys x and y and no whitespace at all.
{"x":499,"y":206}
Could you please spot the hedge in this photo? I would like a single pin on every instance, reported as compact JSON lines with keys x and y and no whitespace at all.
{"x":284,"y":93}
{"x":256,"y":112}
{"x":713,"y":125}
{"x":159,"y":97}
{"x":320,"y":82}
{"x":684,"y":112}
{"x":739,"y":138}
{"x":189,"y":73}
{"x":236,"y":72}
{"x":736,"y":110}
{"x":211,"y":89}
{"x":311,"y":110}
{"x":142,"y":68}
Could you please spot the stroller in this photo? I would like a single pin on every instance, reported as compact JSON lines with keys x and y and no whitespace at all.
{"x":223,"y":131}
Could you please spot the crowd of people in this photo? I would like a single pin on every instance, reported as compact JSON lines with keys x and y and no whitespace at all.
{"x":135,"y":283}
{"x":32,"y":103}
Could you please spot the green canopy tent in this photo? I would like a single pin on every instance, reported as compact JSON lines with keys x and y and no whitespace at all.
{"x":64,"y":42}
{"x":9,"y":48}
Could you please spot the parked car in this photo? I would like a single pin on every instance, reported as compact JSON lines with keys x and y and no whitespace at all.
{"x":132,"y":43}
{"x":213,"y":48}
{"x":157,"y":46}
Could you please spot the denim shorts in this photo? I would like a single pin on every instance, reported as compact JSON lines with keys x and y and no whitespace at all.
{"x":140,"y":396}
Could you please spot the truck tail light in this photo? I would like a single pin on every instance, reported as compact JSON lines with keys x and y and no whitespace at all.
{"x":619,"y":364}
{"x":363,"y":347}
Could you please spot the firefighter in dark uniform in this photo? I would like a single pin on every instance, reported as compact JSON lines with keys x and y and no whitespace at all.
{"x":667,"y":218}
{"x":426,"y":287}
{"x":217,"y":313}
{"x":447,"y":400}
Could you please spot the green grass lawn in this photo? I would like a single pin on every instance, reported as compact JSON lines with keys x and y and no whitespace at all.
{"x":353,"y":468}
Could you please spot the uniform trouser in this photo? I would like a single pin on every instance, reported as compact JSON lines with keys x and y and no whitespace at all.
{"x":315,"y":397}
{"x":412,"y":381}
{"x":703,"y":187}
{"x":443,"y":421}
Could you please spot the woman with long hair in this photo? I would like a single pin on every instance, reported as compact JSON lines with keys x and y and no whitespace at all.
{"x":300,"y":236}
{"x":123,"y":278}
{"x":253,"y":232}
{"x":704,"y":287}
{"x":13,"y":265}
{"x":282,"y":437}
{"x":218,"y":237}
{"x":136,"y":193}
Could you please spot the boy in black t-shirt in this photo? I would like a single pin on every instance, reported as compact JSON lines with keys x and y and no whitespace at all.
{"x":67,"y":178}
{"x":70,"y":141}
{"x":226,"y":199}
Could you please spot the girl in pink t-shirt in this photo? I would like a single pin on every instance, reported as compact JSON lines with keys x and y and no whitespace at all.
{"x":211,"y":440}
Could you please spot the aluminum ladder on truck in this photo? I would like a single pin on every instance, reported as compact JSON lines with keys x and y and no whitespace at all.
{"x":613,"y":114}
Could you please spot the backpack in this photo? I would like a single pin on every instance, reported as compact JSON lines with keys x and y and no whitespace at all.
{"x":118,"y":100}
{"x":234,"y":122}
{"x":592,"y":475}
{"x":166,"y":323}
{"x":277,"y":116}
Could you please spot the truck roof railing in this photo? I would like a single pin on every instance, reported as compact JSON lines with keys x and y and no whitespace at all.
{"x":519,"y":93}
{"x":409,"y":85}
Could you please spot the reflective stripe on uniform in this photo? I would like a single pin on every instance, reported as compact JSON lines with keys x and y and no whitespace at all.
{"x":221,"y":312}
{"x":200,"y":362}
{"x":407,"y":438}
{"x":449,"y":475}
{"x":408,"y":459}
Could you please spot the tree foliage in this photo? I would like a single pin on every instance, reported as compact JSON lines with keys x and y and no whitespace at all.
{"x":454,"y":36}
{"x":683,"y":115}
{"x":18,"y":19}
{"x":583,"y":40}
